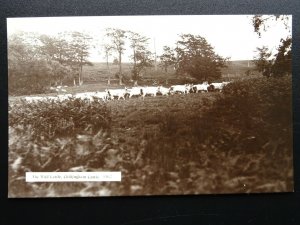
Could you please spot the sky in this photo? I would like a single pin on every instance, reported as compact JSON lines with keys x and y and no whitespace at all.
{"x":231,"y":35}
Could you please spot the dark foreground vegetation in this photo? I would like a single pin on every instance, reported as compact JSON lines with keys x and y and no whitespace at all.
{"x":238,"y":141}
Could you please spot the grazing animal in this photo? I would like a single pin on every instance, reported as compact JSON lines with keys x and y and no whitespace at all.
{"x":163,"y":90}
{"x":52,"y":98}
{"x":33,"y":99}
{"x":117,"y":93}
{"x":182,"y":89}
{"x":101,"y":95}
{"x":136,"y":91}
{"x":64,"y":97}
{"x":225,"y":83}
{"x":219,"y":86}
{"x":85,"y":96}
{"x":152,"y":91}
{"x":201,"y":87}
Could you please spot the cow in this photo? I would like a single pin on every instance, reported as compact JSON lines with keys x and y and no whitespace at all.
{"x":201,"y":87}
{"x":117,"y":93}
{"x":152,"y":91}
{"x":163,"y":90}
{"x":136,"y":91}
{"x":182,"y":89}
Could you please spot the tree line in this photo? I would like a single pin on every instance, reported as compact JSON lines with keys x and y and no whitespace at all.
{"x":37,"y":61}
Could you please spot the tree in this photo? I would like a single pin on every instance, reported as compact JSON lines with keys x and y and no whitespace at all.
{"x":167,"y":58}
{"x":141,"y":55}
{"x":115,"y":61}
{"x":79,"y":52}
{"x":107,"y":50}
{"x":117,"y":37}
{"x":281,"y":64}
{"x":283,"y":59}
{"x":196,"y":57}
{"x":57,"y":52}
{"x":28,"y":69}
{"x":263,"y":62}
{"x":260,"y":22}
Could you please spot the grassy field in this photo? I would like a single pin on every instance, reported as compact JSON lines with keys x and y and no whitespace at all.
{"x":238,"y":141}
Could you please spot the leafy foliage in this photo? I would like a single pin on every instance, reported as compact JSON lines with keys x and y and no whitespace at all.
{"x":117,"y":37}
{"x":37,"y":61}
{"x":168,"y":58}
{"x":260,"y":22}
{"x":50,"y":119}
{"x":141,"y":55}
{"x":197,"y":58}
{"x":263,"y":62}
{"x":236,"y":141}
{"x":281,"y":63}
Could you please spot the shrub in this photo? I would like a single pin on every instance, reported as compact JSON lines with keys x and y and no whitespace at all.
{"x":52,"y":119}
{"x":254,"y":110}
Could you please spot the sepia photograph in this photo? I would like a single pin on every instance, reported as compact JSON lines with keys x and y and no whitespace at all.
{"x":149,"y":105}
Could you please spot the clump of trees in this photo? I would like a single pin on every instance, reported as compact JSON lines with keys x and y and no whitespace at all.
{"x":141,"y":57}
{"x":280,"y":63}
{"x":36,"y":62}
{"x":195,"y":57}
{"x":168,"y":58}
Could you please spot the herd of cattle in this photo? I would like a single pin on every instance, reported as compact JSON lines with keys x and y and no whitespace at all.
{"x":110,"y":94}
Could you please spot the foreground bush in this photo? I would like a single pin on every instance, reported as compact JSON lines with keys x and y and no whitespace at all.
{"x":240,"y":142}
{"x":251,"y":113}
{"x":52,"y":119}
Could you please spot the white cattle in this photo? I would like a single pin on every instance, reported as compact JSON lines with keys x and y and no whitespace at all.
{"x":117,"y":93}
{"x":33,"y":99}
{"x":225,"y":83}
{"x":52,"y":98}
{"x":218,"y":86}
{"x":84,"y":96}
{"x":163,"y":90}
{"x":201,"y":87}
{"x":136,"y":91}
{"x":183,"y":89}
{"x":64,"y":97}
{"x":150,"y":91}
{"x":101,"y":95}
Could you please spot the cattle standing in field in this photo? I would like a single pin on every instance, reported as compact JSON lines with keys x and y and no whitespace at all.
{"x":219,"y":86}
{"x":136,"y":91}
{"x":101,"y":95}
{"x":182,"y":89}
{"x":201,"y":87}
{"x":117,"y":93}
{"x":33,"y":99}
{"x":84,"y":96}
{"x":64,"y":97}
{"x":163,"y":90}
{"x":52,"y":98}
{"x":152,"y":91}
